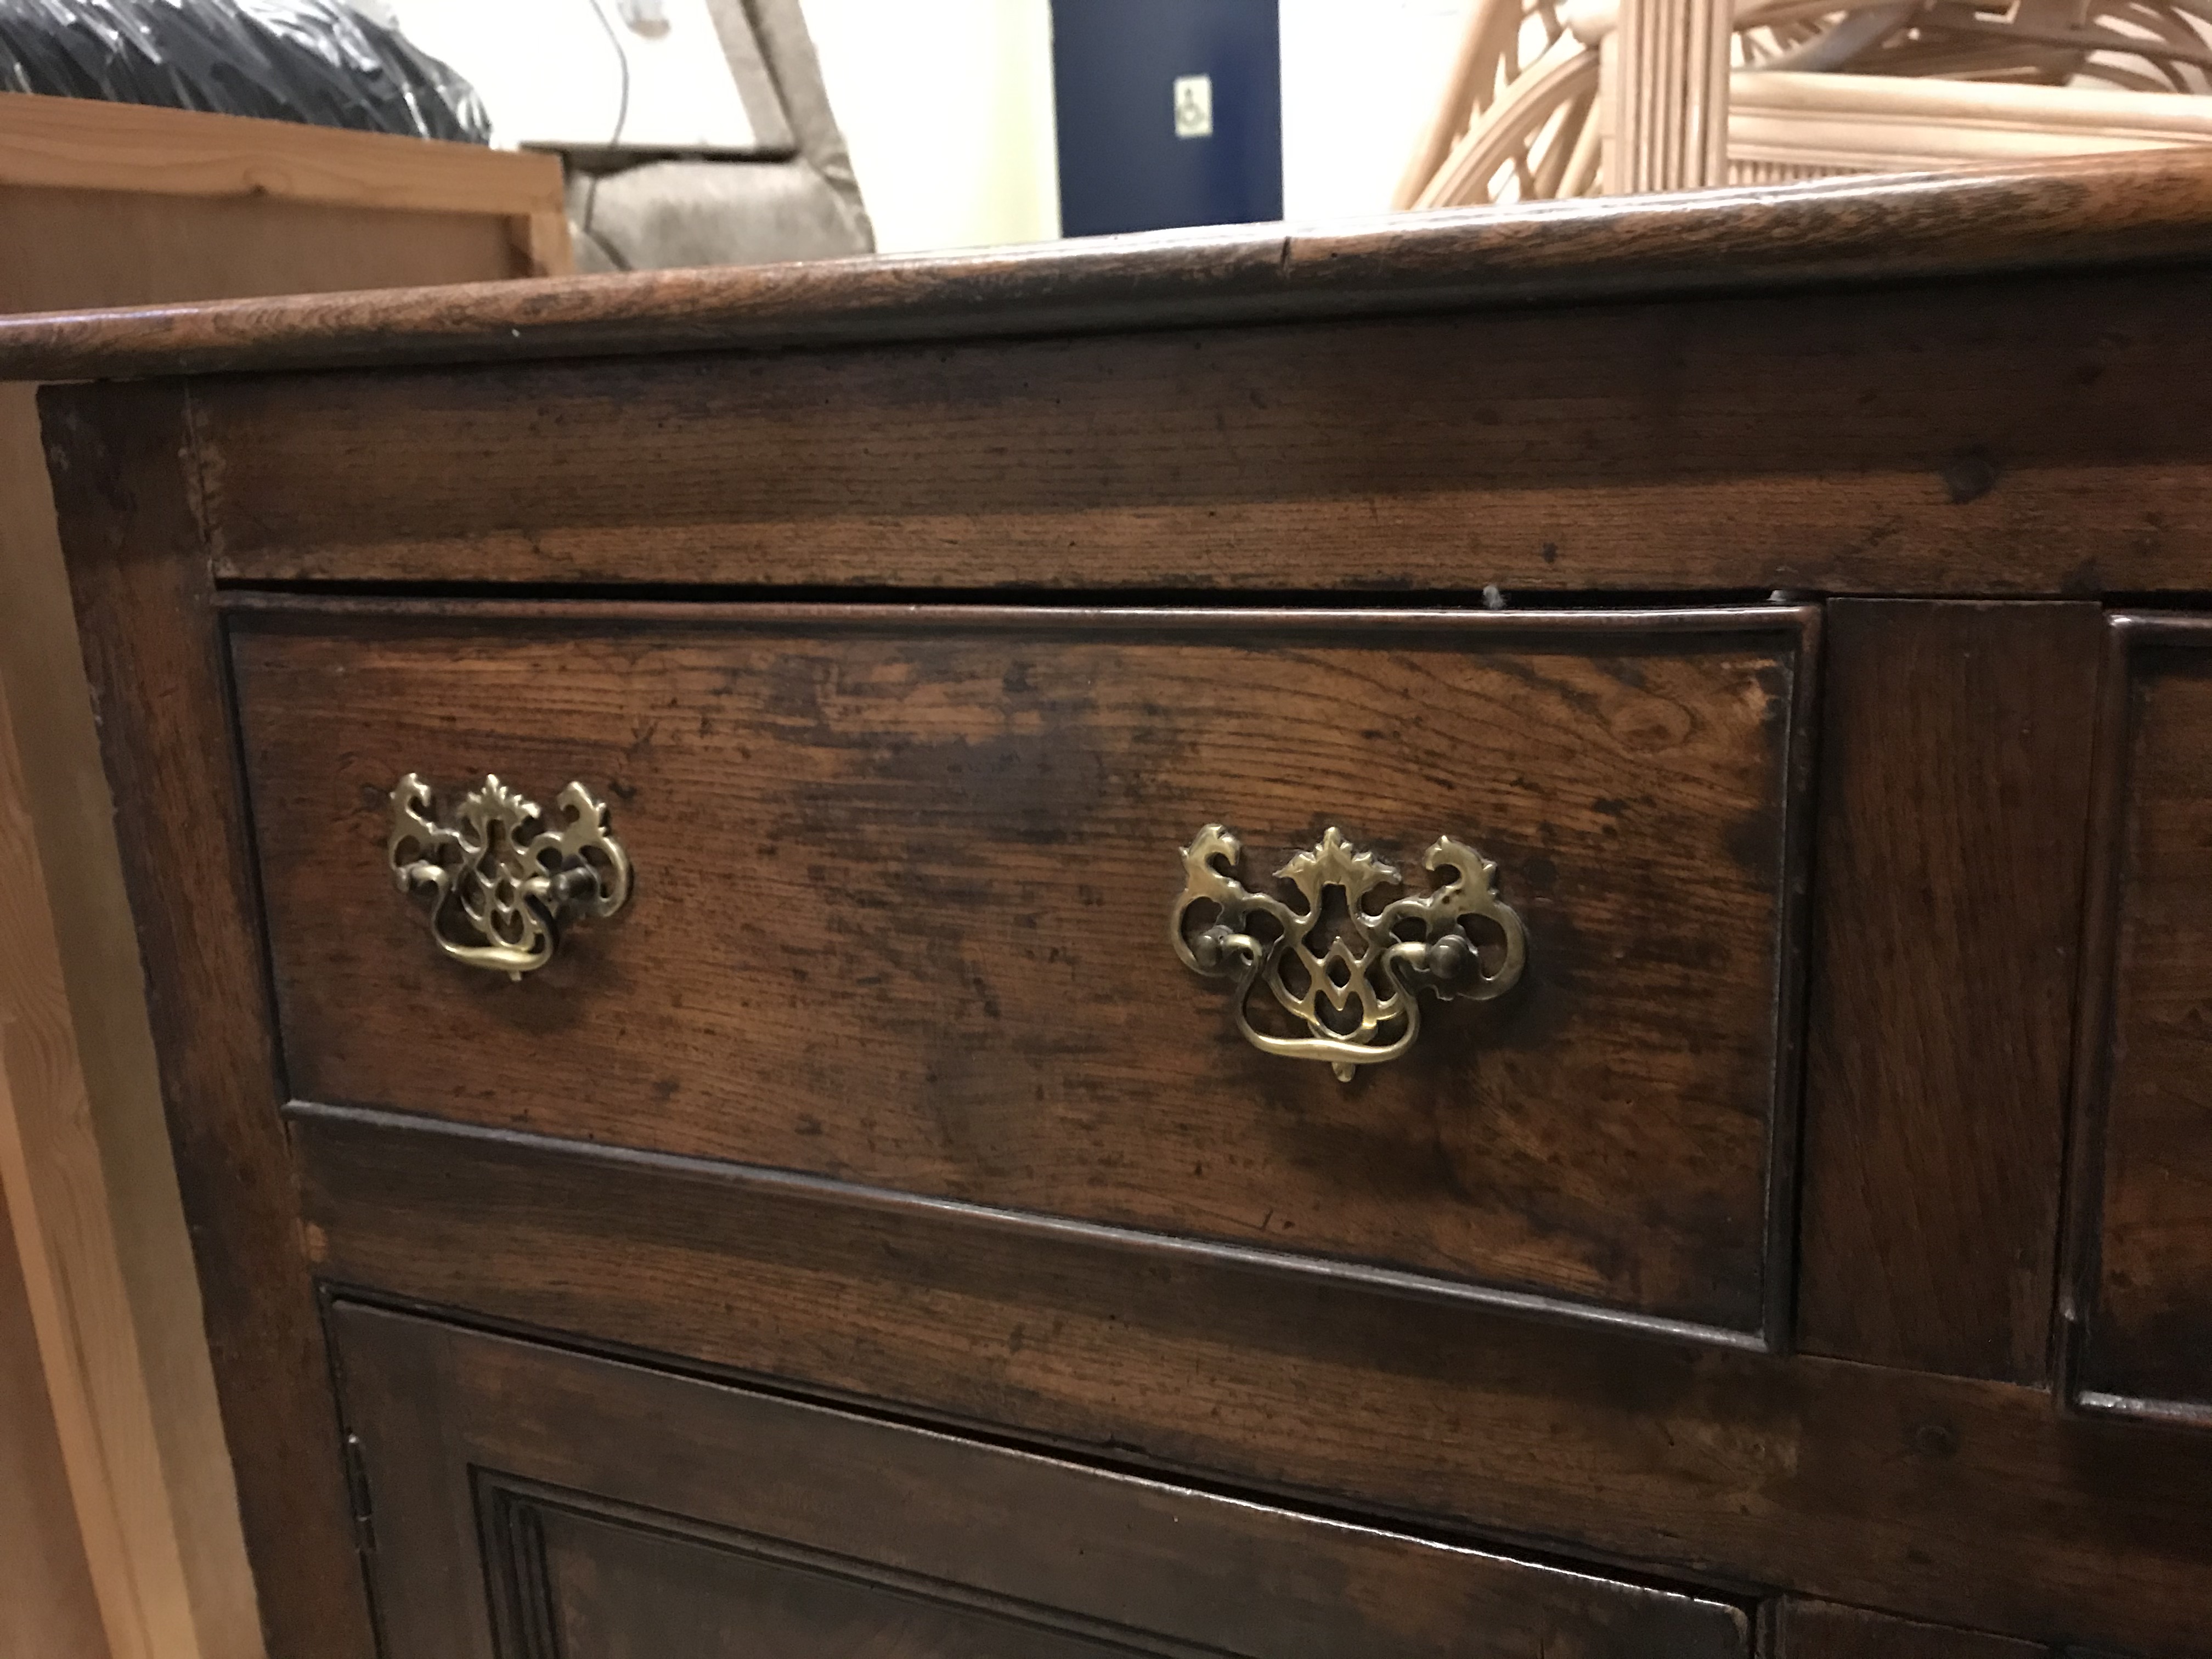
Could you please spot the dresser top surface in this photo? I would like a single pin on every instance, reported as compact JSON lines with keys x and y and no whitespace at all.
{"x":2111,"y":210}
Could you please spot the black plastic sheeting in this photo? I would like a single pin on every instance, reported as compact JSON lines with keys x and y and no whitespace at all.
{"x":316,"y":61}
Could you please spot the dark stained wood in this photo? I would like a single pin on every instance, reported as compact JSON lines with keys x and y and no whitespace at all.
{"x":1955,"y":1501}
{"x":904,"y":882}
{"x":1954,"y":787}
{"x":618,"y":1586}
{"x":1820,"y":1629}
{"x":123,"y":496}
{"x":822,"y":1116}
{"x":2144,"y":1230}
{"x":2037,"y":435}
{"x":633,"y":1512}
{"x":2153,"y":204}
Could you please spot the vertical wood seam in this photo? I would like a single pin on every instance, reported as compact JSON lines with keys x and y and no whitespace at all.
{"x":2080,"y":1201}
{"x":1792,"y":962}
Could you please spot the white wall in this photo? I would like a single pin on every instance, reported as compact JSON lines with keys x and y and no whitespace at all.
{"x":947,"y":105}
{"x":1360,"y":80}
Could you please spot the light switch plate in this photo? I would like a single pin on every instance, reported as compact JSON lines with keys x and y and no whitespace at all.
{"x":1193,"y":106}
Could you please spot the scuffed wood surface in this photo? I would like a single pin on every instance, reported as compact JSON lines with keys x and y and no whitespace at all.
{"x":1956,"y":1501}
{"x":902,"y":899}
{"x":677,"y":1506}
{"x":2155,"y":205}
{"x":2041,"y":434}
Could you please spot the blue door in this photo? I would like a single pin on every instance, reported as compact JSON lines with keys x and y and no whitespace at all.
{"x":1169,"y":113}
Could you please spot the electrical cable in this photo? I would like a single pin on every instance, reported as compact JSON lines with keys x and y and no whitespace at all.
{"x":622,"y":113}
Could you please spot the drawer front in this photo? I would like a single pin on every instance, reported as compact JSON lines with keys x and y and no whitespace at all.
{"x":902,"y":889}
{"x":2144,"y":1234}
{"x":527,"y":1503}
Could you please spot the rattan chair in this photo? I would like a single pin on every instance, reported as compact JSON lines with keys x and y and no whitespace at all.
{"x":1613,"y":96}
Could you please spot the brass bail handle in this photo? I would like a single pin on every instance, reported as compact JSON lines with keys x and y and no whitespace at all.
{"x":1357,"y":993}
{"x":503,"y":875}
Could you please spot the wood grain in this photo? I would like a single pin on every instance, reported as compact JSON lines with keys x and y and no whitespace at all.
{"x":189,"y":247}
{"x":655,"y":1514}
{"x":2102,"y":211}
{"x":2144,"y":1238}
{"x":1947,"y":914}
{"x":615,"y":1585}
{"x":87,"y":144}
{"x":51,"y":1174}
{"x":49,"y":1608}
{"x":128,"y":528}
{"x":842,"y":1150}
{"x":2043,"y":435}
{"x":1952,"y":1500}
{"x":1820,"y":1629}
{"x":904,"y":882}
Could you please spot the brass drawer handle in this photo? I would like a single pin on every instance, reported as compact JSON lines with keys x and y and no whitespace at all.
{"x":503,"y":875}
{"x":1353,"y":979}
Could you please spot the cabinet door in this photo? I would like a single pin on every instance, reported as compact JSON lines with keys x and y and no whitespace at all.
{"x":527,"y":1502}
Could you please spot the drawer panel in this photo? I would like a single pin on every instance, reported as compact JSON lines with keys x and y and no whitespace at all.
{"x":903,"y":883}
{"x":529,"y":1503}
{"x":2144,"y":1239}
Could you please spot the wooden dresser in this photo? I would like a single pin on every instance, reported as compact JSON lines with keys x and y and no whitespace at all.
{"x":1485,"y":937}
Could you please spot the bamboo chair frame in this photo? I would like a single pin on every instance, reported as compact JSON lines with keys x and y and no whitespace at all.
{"x":1547,"y":100}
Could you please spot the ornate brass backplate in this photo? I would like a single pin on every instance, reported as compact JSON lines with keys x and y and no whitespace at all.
{"x":1352,"y":980}
{"x":503,"y":875}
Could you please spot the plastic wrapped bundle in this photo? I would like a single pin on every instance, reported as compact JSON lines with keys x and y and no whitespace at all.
{"x":316,"y":61}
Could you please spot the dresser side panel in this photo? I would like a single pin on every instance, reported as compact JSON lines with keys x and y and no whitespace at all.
{"x":124,"y":489}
